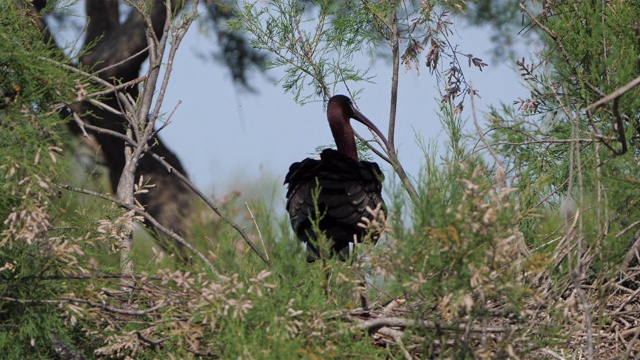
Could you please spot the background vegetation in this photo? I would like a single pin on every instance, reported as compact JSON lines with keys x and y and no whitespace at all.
{"x":518,"y":241}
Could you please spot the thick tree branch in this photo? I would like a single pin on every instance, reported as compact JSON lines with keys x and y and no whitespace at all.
{"x":619,"y":127}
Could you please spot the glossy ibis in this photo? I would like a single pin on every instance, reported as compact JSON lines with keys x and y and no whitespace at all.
{"x":346,"y":186}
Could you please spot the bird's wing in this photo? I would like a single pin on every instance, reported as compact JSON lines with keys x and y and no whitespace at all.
{"x":301,"y":182}
{"x":347,"y":188}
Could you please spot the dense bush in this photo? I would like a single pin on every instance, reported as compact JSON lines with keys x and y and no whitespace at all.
{"x":516,"y":251}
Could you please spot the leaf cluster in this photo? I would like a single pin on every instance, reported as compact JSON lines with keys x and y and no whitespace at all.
{"x":313,"y":43}
{"x":571,"y":149}
{"x":550,"y":139}
{"x":36,"y":245}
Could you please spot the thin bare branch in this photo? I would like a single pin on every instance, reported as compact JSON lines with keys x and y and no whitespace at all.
{"x":152,"y":341}
{"x":105,"y":307}
{"x":258,"y":229}
{"x":122,"y":62}
{"x":206,"y":199}
{"x":424,"y":324}
{"x":616,"y":94}
{"x":624,"y":231}
{"x":395,"y":54}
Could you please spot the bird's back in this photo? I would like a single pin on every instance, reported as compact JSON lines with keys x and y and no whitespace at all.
{"x":346,"y":188}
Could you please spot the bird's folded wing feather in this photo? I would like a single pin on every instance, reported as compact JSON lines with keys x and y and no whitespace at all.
{"x":348,"y":187}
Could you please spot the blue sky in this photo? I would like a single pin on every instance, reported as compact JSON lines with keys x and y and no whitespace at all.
{"x":227,"y":138}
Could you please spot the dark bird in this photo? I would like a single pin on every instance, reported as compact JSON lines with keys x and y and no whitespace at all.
{"x":346,"y":186}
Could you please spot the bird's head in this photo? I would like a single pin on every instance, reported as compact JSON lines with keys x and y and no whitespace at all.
{"x":340,"y":110}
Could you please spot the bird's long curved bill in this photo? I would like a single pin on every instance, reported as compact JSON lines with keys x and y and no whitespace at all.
{"x":357,"y":115}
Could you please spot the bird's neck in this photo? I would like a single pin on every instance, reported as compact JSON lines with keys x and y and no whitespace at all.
{"x":345,"y":139}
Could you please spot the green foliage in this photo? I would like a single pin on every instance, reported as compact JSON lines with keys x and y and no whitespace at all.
{"x":575,"y":164}
{"x":553,"y":147}
{"x":42,"y":243}
{"x":313,"y":43}
{"x":457,"y":263}
{"x":33,"y":249}
{"x":479,"y":264}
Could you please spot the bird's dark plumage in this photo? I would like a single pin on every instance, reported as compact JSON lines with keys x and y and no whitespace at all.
{"x":346,"y":186}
